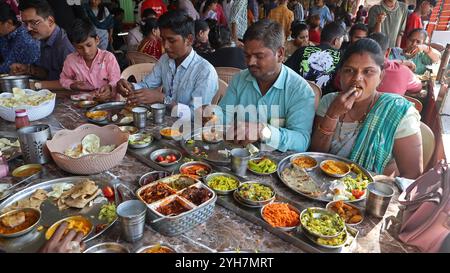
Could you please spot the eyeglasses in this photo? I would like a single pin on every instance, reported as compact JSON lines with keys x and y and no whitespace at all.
{"x":33,"y":24}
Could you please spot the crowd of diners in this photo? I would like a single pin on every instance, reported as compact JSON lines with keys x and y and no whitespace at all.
{"x":364,"y":62}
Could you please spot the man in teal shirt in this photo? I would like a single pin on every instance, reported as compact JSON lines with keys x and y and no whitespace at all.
{"x":279,"y":103}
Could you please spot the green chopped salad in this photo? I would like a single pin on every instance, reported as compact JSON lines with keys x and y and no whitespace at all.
{"x":108,"y":212}
{"x":255,"y":192}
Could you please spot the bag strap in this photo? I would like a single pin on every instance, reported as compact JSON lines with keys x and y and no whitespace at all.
{"x":435,"y":175}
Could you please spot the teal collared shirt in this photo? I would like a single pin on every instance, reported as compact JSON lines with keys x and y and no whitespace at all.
{"x":290,"y":101}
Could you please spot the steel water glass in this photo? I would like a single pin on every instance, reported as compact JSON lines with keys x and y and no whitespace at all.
{"x":378,"y":197}
{"x":239,"y":161}
{"x":139,"y":117}
{"x":158,"y":112}
{"x":32,"y":141}
{"x":131,"y":215}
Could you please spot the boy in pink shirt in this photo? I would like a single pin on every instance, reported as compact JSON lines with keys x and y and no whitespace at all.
{"x":89,"y":68}
{"x":398,"y":78}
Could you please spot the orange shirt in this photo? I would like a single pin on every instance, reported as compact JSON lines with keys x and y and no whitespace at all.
{"x":283,"y":15}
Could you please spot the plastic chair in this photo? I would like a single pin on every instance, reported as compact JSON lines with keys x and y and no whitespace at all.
{"x":136,"y":57}
{"x":317,"y":92}
{"x":416,"y":102}
{"x":428,"y":144}
{"x":220,"y":93}
{"x":227,"y":73}
{"x":138,"y":71}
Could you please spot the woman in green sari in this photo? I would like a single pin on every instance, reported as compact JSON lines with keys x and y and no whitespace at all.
{"x":379,"y":131}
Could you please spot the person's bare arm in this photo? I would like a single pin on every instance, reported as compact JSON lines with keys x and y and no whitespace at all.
{"x":399,"y":39}
{"x":321,"y":138}
{"x":379,"y":22}
{"x":38,"y":72}
{"x":408,"y":155}
{"x":431,"y":52}
{"x":52,"y":85}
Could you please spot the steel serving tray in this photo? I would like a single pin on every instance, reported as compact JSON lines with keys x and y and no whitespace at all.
{"x":112,"y":108}
{"x":50,"y":214}
{"x":318,"y":176}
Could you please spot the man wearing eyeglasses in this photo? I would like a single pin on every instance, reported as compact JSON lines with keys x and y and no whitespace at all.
{"x":38,"y":18}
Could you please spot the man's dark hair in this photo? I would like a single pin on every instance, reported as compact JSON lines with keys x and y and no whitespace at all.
{"x":200,"y":25}
{"x":6,"y":13}
{"x":358,"y":26}
{"x":364,"y":45}
{"x":219,"y":36}
{"x":149,"y":25}
{"x":381,"y":39}
{"x":80,"y":31}
{"x":296,"y":27}
{"x":148,"y":12}
{"x":42,"y":7}
{"x":331,"y":31}
{"x":269,"y":32}
{"x":178,"y":22}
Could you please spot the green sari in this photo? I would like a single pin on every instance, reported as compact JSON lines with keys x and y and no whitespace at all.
{"x":375,"y":140}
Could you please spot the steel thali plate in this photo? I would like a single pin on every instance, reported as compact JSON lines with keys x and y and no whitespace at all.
{"x":32,"y":241}
{"x":319,"y":177}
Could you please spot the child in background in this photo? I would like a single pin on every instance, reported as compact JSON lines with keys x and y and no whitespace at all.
{"x":201,"y":44}
{"x":314,"y":28}
{"x":89,"y":68}
{"x":151,"y":44}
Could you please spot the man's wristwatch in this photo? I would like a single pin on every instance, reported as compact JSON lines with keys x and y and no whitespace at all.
{"x":37,"y":85}
{"x":265,"y":133}
{"x":167,"y":100}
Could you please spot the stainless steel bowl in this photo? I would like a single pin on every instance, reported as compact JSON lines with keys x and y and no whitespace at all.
{"x":328,"y":207}
{"x":86,"y":104}
{"x":317,"y":212}
{"x":187,"y":164}
{"x":179,"y":137}
{"x":290,"y":206}
{"x":252,"y":202}
{"x":7,"y":83}
{"x":335,"y":174}
{"x":107,"y":248}
{"x":220,"y":192}
{"x":164,"y":153}
{"x":259,"y":158}
{"x":316,"y":240}
{"x":139,"y":137}
{"x":129,"y":129}
{"x":152,"y":177}
{"x":305,"y":156}
{"x":144,"y":248}
{"x":26,"y":230}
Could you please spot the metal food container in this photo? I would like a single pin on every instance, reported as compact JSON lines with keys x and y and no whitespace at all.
{"x":139,"y":137}
{"x":178,"y":224}
{"x":187,"y":164}
{"x":291,"y":207}
{"x":153,"y":176}
{"x":166,"y":246}
{"x":220,"y":192}
{"x":308,"y":157}
{"x":7,"y":83}
{"x":165,"y":152}
{"x":26,"y":230}
{"x":259,"y":158}
{"x":252,"y":202}
{"x":318,"y":212}
{"x":107,"y":248}
{"x":328,"y":207}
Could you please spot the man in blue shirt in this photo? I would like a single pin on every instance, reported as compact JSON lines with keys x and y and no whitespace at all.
{"x":16,"y":45}
{"x":182,"y":73}
{"x":278,"y":104}
{"x":38,"y":17}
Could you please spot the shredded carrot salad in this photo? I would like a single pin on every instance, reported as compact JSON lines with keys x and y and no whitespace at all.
{"x":281,"y":215}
